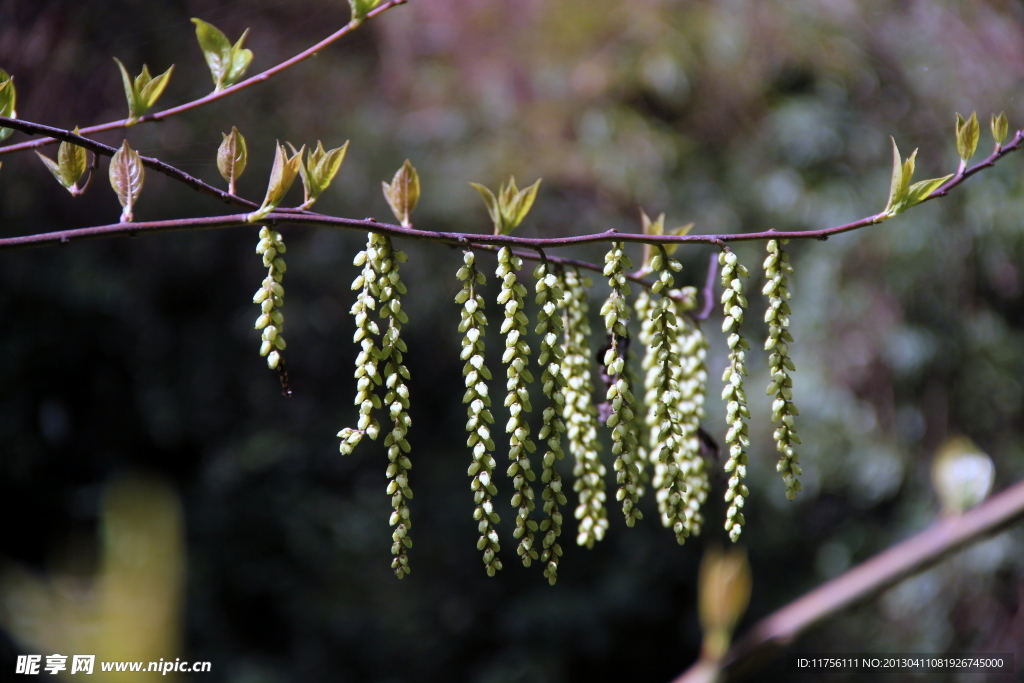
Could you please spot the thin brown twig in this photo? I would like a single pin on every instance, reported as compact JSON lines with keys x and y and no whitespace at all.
{"x":214,"y":96}
{"x":485,"y":241}
{"x":915,"y":554}
{"x":99,"y":149}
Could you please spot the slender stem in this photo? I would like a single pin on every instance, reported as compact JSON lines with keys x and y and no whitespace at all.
{"x":870,"y":578}
{"x":214,"y":96}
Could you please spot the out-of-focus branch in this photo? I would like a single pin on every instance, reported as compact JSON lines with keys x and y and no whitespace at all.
{"x":214,"y":96}
{"x":867,"y":580}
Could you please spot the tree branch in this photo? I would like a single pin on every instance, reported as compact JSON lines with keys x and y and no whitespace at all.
{"x":869,"y":579}
{"x":214,"y":96}
{"x":100,"y":149}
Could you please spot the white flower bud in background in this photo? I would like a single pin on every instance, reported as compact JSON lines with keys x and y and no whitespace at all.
{"x":659,"y":332}
{"x":580,"y":413}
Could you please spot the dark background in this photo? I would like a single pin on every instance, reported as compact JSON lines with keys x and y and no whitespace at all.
{"x":137,"y":357}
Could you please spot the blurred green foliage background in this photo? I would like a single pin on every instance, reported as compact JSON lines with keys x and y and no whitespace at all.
{"x":139,"y":355}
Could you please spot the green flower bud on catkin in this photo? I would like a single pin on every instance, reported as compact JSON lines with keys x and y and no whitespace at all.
{"x":516,"y":356}
{"x":659,"y":332}
{"x":381,"y":289}
{"x":776,"y":288}
{"x":270,"y":296}
{"x":580,"y":413}
{"x":736,"y":439}
{"x":478,"y":411}
{"x":550,"y":294}
{"x":619,"y":394}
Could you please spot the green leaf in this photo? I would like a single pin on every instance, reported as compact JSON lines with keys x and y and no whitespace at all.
{"x":216,"y":50}
{"x":899,"y":189}
{"x":232,"y":156}
{"x":519,"y":205}
{"x":360,"y":8}
{"x":129,"y":91}
{"x":72,"y":161}
{"x":967,"y":134}
{"x":52,"y":167}
{"x":69,"y":167}
{"x":151,"y":91}
{"x":921,"y":190}
{"x":1000,"y":126}
{"x":492,"y":207}
{"x":8,"y":100}
{"x":241,"y":58}
{"x":325,"y":165}
{"x":126,"y":177}
{"x":282,"y":175}
{"x":404,"y":192}
{"x":897,"y":176}
{"x":144,"y":91}
{"x":227,"y":62}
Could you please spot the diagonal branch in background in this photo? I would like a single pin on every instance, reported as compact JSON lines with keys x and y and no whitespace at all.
{"x":214,"y":96}
{"x":867,"y":580}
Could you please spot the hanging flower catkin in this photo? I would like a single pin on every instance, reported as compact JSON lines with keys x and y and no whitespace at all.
{"x":733,"y":304}
{"x":662,"y":382}
{"x":580,"y":413}
{"x":270,"y":296}
{"x":776,"y":268}
{"x":549,"y":298}
{"x":381,"y":285}
{"x":367,"y":334}
{"x":478,"y":410}
{"x":517,"y":356}
{"x":396,"y":400}
{"x":619,"y":396}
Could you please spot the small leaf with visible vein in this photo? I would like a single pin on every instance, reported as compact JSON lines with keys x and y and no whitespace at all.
{"x":1000,"y":127}
{"x":967,"y":134}
{"x":129,"y":91}
{"x":404,"y":192}
{"x":153,"y":89}
{"x":144,"y":91}
{"x":319,"y":170}
{"x":902,"y":172}
{"x":126,"y":177}
{"x":241,"y":58}
{"x":921,"y":190}
{"x":69,"y":167}
{"x":227,"y":62}
{"x":519,"y":205}
{"x":282,"y":175}
{"x":232,"y":156}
